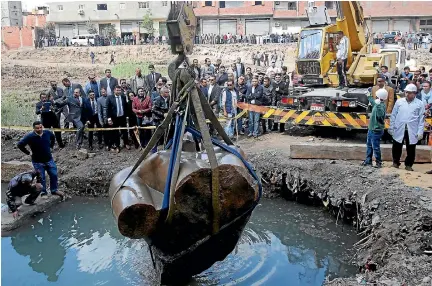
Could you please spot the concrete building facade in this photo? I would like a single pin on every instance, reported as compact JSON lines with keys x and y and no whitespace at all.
{"x":70,"y":18}
{"x":264,"y":17}
{"x":11,"y":14}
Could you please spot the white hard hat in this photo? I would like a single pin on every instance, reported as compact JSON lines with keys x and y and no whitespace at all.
{"x":411,"y":88}
{"x":382,"y":94}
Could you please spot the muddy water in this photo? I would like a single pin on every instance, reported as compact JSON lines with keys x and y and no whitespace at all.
{"x":77,"y":243}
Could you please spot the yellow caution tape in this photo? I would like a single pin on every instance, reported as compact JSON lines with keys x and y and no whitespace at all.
{"x":29,"y":128}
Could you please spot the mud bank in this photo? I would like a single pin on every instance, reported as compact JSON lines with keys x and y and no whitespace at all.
{"x":395,"y":220}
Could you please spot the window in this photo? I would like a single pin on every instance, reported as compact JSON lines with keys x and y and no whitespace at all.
{"x":257,"y":3}
{"x":330,"y":5}
{"x":222,"y":4}
{"x":81,"y":7}
{"x":284,"y":26}
{"x":143,"y":5}
{"x":122,"y":5}
{"x":310,"y":44}
{"x":60,"y":7}
{"x":102,"y":7}
{"x":164,"y":3}
{"x":330,"y":42}
{"x":422,"y":22}
{"x":208,"y":3}
{"x":233,"y":4}
{"x":292,"y":5}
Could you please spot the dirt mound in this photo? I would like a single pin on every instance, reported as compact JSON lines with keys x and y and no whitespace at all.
{"x":156,"y":54}
{"x":422,"y":57}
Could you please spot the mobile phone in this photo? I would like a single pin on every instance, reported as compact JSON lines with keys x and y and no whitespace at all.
{"x":47,"y":106}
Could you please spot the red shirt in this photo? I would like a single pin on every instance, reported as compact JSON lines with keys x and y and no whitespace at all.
{"x":144,"y":105}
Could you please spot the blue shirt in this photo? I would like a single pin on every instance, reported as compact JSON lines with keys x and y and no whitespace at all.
{"x":39,"y":145}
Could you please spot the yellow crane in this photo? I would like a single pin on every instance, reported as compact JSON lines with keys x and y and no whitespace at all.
{"x":317,"y":47}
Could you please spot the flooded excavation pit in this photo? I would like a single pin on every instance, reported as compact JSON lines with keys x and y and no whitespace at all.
{"x":77,"y":243}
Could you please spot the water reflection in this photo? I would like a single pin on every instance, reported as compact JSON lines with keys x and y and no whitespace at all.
{"x":79,"y":243}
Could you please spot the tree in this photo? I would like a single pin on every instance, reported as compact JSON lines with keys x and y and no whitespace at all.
{"x":147,"y":23}
{"x":91,"y":27}
{"x":49,"y":30}
{"x":110,"y":31}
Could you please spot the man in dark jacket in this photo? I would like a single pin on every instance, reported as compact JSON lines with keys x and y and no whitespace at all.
{"x":222,"y":76}
{"x":108,"y":82}
{"x":241,"y":87}
{"x":214,"y":92}
{"x":91,"y":109}
{"x":152,"y":78}
{"x":268,"y":95}
{"x":41,"y":142}
{"x":254,"y":96}
{"x":160,"y":106}
{"x":46,"y":108}
{"x":116,"y":117}
{"x":204,"y":88}
{"x":76,"y":115}
{"x":280,"y":89}
{"x":56,"y":93}
{"x":21,"y":185}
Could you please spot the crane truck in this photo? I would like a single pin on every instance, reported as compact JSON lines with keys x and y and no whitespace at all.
{"x":316,"y":61}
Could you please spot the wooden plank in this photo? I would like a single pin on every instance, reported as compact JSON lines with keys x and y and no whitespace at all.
{"x":341,"y":151}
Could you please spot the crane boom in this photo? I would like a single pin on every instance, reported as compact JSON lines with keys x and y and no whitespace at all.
{"x":350,"y":20}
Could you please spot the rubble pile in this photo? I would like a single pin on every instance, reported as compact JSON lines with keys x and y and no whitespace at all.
{"x":422,"y":57}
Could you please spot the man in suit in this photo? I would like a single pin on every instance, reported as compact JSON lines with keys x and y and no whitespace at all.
{"x":152,"y":78}
{"x":108,"y":82}
{"x":239,"y":68}
{"x":74,"y":104}
{"x":55,"y":93}
{"x":101,"y":102}
{"x":214,"y":92}
{"x":222,"y":76}
{"x":70,"y":88}
{"x":91,"y":110}
{"x":254,"y":96}
{"x":116,"y":117}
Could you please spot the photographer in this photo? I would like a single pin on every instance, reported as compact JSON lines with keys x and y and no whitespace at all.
{"x":45,"y":108}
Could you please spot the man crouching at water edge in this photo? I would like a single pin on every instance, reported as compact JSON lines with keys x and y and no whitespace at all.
{"x":21,"y":185}
{"x":41,"y":142}
{"x":376,"y":127}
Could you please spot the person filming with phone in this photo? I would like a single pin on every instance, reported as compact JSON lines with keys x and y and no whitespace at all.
{"x":45,"y":108}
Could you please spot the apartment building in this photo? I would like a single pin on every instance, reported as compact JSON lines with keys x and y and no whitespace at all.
{"x":11,"y":13}
{"x":263,"y":17}
{"x":70,"y":18}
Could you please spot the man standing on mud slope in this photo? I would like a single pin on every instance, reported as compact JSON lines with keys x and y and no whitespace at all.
{"x":41,"y":142}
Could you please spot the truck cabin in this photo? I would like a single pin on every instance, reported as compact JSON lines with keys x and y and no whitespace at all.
{"x":316,"y":53}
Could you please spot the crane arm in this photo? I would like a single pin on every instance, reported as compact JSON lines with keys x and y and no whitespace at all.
{"x":350,"y":20}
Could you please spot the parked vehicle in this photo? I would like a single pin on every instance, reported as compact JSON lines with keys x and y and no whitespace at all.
{"x":83,"y":40}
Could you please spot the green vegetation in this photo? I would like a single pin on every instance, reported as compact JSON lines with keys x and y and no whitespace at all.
{"x":17,"y":110}
{"x":147,"y":23}
{"x":127,"y":69}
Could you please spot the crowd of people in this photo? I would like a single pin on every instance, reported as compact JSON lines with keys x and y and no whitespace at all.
{"x":410,"y":41}
{"x":229,"y":38}
{"x":134,"y":39}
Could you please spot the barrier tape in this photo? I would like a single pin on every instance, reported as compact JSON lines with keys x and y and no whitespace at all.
{"x":28,"y":128}
{"x":347,"y":120}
